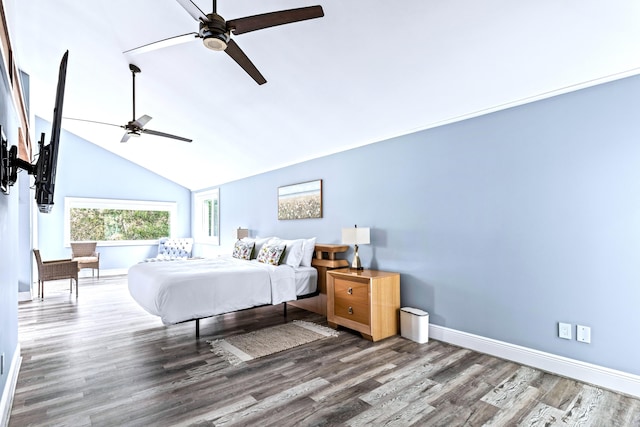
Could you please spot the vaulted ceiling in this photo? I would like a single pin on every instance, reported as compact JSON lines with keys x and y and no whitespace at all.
{"x":367,"y":71}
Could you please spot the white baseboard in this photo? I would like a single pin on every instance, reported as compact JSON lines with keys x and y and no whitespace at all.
{"x":612,"y":379}
{"x":82,"y":274}
{"x":7,"y":394}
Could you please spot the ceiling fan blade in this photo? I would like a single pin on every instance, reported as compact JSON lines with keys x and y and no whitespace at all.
{"x":234,"y":51}
{"x":165,"y":135}
{"x":125,"y":137}
{"x":193,"y":10}
{"x":161,"y":44}
{"x":272,"y":19}
{"x":92,"y":121}
{"x":141,"y":121}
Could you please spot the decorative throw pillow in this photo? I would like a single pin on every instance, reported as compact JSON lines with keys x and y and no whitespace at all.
{"x":260,"y":242}
{"x":271,"y":254}
{"x":243,"y":250}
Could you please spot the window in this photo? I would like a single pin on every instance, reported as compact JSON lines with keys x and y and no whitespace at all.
{"x":117,"y":222}
{"x":207,"y":217}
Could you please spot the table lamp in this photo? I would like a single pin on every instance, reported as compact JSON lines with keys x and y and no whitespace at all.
{"x":241,"y":233}
{"x":356,"y":236}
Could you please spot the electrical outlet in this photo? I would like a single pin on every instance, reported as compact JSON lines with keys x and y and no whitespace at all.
{"x":583,"y":334}
{"x":564,"y":330}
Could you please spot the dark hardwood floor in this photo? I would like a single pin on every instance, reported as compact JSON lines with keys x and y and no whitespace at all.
{"x":101,"y":360}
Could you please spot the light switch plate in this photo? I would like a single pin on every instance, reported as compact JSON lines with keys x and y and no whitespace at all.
{"x":583,"y":334}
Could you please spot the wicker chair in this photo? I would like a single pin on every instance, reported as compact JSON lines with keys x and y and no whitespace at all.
{"x":86,"y":255}
{"x":55,"y":270}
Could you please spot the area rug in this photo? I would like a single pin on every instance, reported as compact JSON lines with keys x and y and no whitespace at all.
{"x":252,"y":345}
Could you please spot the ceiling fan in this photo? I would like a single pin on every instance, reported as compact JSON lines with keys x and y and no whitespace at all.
{"x":215,"y":31}
{"x":135,"y":127}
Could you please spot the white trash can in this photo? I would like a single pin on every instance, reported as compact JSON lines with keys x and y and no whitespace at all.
{"x":414,"y":324}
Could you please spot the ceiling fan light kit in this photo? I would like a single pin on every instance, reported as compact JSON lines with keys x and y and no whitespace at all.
{"x":214,"y":43}
{"x":213,"y":32}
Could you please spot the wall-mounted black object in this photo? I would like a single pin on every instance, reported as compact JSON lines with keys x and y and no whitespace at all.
{"x":44,"y":169}
{"x":4,"y":163}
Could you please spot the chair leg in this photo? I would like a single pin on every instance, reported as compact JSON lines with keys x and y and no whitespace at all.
{"x":76,"y":288}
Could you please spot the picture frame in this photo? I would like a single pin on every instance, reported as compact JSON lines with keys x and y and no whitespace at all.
{"x":300,"y":201}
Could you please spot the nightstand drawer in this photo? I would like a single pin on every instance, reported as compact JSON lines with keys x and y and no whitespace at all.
{"x":351,"y":300}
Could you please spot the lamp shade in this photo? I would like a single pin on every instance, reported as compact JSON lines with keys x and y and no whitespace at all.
{"x":356,"y":236}
{"x":241,"y":233}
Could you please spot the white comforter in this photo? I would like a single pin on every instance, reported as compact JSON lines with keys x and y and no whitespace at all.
{"x":192,"y":289}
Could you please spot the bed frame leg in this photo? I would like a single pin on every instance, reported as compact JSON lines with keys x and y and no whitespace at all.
{"x":197,"y":328}
{"x":285,"y":309}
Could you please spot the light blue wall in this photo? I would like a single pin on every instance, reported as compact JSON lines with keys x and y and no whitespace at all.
{"x":9,"y":224}
{"x":501,"y":226}
{"x":87,"y":170}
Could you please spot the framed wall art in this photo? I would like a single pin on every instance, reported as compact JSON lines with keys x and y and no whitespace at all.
{"x":300,"y":201}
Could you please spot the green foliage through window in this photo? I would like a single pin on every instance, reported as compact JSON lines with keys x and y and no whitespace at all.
{"x":211,"y":214}
{"x":118,"y":224}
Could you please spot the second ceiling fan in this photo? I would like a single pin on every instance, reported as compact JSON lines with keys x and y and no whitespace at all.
{"x":215,"y":31}
{"x":135,"y":126}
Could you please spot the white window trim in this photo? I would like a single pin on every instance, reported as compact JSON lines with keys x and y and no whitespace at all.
{"x":199,"y":235}
{"x":93,"y":203}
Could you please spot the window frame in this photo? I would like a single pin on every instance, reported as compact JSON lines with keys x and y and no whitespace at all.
{"x":142,"y":205}
{"x":199,"y":226}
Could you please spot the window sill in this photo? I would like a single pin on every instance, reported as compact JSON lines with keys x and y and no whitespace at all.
{"x":107,"y":243}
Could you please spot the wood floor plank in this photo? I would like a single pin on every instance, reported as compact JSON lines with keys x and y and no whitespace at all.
{"x":512,"y":388}
{"x":351,"y":380}
{"x":101,"y":360}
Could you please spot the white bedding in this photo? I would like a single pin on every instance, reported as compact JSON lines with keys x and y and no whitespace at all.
{"x":191,"y":289}
{"x":306,"y":280}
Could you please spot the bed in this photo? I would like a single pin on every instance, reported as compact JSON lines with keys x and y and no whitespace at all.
{"x":185,"y":290}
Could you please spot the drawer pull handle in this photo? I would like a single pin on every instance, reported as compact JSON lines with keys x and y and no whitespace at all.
{"x":350,"y":310}
{"x":350,"y":291}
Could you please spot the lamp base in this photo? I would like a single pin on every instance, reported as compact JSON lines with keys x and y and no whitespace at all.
{"x":355,"y":264}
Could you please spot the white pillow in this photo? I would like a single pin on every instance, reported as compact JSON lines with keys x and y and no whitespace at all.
{"x":293,"y":251}
{"x":259,"y":243}
{"x":307,"y":251}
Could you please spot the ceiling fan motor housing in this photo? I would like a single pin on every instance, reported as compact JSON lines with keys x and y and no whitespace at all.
{"x":132,"y":128}
{"x":214,"y":32}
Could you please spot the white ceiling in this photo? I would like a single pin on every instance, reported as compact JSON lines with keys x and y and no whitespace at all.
{"x":368,"y":70}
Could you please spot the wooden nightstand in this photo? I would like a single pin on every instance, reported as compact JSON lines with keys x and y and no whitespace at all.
{"x":367,"y":301}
